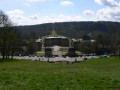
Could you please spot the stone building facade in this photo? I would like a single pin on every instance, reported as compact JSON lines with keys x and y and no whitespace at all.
{"x":56,"y":41}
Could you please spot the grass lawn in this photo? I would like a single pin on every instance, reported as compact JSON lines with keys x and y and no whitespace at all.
{"x":95,"y":74}
{"x":40,"y":53}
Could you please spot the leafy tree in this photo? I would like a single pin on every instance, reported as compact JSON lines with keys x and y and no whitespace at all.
{"x":31,"y":48}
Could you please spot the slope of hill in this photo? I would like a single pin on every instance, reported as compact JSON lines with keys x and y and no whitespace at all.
{"x":71,"y":29}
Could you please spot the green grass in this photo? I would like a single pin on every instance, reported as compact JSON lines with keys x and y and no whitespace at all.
{"x":95,"y":74}
{"x":40,"y":53}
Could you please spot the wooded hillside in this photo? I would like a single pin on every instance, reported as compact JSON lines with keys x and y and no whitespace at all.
{"x":71,"y":29}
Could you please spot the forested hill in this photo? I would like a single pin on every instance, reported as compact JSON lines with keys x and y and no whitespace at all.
{"x":71,"y":29}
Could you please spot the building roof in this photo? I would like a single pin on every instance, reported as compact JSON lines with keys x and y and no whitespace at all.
{"x":50,"y":37}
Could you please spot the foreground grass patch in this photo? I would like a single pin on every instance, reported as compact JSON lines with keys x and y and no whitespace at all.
{"x":97,"y":74}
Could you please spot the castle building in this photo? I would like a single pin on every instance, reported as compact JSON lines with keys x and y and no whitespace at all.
{"x":56,"y":41}
{"x":56,"y":45}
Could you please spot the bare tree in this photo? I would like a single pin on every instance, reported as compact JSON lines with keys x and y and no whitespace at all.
{"x":8,"y":35}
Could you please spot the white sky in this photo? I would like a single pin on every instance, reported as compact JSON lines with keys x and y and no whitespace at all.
{"x":30,"y":12}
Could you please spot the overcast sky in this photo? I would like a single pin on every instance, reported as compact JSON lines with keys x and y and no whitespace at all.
{"x":30,"y":12}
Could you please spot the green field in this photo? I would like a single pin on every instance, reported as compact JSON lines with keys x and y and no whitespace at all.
{"x":40,"y":53}
{"x":95,"y":74}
